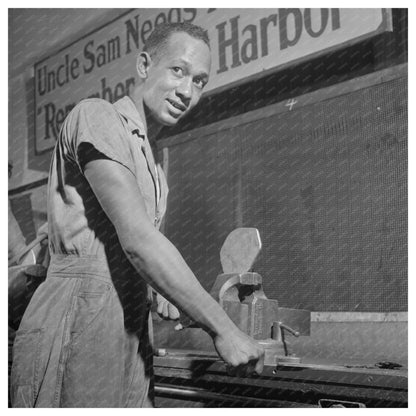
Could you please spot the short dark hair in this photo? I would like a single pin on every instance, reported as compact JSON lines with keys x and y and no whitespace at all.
{"x":161,"y":33}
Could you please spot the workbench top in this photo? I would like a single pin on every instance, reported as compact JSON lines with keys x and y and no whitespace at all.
{"x":200,"y":376}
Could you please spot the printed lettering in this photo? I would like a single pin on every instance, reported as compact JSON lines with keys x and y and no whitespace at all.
{"x":113,"y":49}
{"x":89,"y":56}
{"x":160,"y":18}
{"x":174,"y":13}
{"x":296,"y":15}
{"x":132,"y":33}
{"x":249,"y":44}
{"x":74,"y":68}
{"x":147,"y":29}
{"x":308,"y":22}
{"x":223,"y":44}
{"x":101,"y":58}
{"x":336,"y":22}
{"x":193,"y":15}
{"x":49,"y":121}
{"x":264,"y":23}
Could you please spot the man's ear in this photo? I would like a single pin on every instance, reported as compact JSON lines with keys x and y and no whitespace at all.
{"x":142,"y":64}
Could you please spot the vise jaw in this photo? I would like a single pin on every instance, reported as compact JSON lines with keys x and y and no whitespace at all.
{"x":240,"y":293}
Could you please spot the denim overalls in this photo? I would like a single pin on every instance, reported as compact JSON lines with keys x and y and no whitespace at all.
{"x":85,"y":338}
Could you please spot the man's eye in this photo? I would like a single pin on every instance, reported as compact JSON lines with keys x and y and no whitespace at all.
{"x":199,"y":82}
{"x":177,"y":70}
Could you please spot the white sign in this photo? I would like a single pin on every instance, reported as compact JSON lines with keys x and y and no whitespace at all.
{"x":244,"y":42}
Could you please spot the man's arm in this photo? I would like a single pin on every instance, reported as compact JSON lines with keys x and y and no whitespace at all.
{"x":160,"y":263}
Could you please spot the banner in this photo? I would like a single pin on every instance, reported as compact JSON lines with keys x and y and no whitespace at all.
{"x":244,"y":42}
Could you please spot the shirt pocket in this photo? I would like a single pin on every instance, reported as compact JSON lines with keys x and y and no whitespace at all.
{"x":27,"y":368}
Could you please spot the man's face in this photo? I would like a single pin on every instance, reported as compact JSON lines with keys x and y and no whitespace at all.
{"x":176,"y":78}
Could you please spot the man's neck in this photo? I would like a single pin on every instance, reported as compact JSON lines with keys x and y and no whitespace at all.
{"x":152,"y":127}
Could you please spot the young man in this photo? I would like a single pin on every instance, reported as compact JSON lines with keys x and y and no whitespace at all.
{"x":84,"y":339}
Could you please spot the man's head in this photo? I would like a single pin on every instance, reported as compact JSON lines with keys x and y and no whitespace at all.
{"x":158,"y":39}
{"x":174,"y":68}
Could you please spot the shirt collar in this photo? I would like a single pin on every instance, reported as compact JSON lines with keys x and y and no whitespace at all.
{"x":125,"y":106}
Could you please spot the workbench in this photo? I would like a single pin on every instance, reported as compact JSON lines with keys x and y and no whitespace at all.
{"x":184,"y":379}
{"x":190,"y":374}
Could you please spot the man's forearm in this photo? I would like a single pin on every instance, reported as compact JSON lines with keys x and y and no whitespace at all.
{"x":166,"y":270}
{"x":157,"y":260}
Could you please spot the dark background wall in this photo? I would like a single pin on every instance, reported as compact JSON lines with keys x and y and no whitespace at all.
{"x":325,"y":183}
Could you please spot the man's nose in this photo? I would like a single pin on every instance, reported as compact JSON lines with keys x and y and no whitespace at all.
{"x":184,"y":90}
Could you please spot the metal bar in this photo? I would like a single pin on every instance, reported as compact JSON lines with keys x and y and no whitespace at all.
{"x":203,"y":395}
{"x":280,"y":389}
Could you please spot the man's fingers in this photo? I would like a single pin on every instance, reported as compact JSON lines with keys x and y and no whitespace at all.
{"x":251,"y":368}
{"x":242,"y":370}
{"x":160,"y":308}
{"x":165,"y":309}
{"x":173,"y":312}
{"x":259,"y":365}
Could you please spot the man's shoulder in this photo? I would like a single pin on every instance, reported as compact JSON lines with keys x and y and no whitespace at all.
{"x":94,"y":103}
{"x":94,"y":109}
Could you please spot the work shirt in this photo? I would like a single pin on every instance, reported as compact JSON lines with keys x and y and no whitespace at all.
{"x":117,"y":132}
{"x":84,"y":339}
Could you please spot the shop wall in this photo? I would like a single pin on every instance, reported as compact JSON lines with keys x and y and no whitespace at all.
{"x":324,"y":182}
{"x":33,"y":35}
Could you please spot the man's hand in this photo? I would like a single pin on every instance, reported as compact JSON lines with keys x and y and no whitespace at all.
{"x":161,"y":264}
{"x":242,"y":353}
{"x":165,"y":309}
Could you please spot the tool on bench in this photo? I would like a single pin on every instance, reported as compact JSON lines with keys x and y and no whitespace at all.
{"x":240,"y":293}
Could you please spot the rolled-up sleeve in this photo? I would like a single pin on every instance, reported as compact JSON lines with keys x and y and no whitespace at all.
{"x":97,"y":123}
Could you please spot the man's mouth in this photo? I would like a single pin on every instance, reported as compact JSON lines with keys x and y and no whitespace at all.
{"x":177,"y":105}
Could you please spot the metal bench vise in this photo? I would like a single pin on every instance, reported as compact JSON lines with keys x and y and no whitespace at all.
{"x":240,"y":293}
